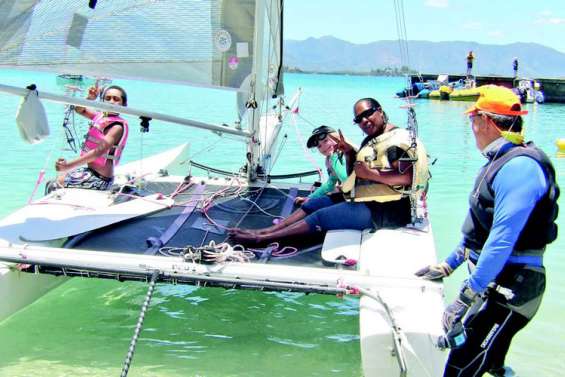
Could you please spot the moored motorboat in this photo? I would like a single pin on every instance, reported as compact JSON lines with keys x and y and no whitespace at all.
{"x":470,"y":94}
{"x":444,"y":92}
{"x":76,"y":80}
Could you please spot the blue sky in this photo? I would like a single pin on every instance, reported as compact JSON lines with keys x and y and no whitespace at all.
{"x":483,"y":21}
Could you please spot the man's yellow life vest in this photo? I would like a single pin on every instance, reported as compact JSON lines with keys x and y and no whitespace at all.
{"x":374,"y":153}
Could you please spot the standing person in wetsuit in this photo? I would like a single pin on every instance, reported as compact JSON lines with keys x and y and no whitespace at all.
{"x":515,"y":67}
{"x":513,"y":208}
{"x":102,"y":148}
{"x":470,"y":58}
{"x":334,"y":212}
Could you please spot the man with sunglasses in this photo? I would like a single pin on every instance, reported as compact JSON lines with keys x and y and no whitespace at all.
{"x":335,"y":212}
{"x":513,"y":208}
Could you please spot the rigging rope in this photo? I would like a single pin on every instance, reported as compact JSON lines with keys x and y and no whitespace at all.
{"x":281,"y":147}
{"x":412,"y":123}
{"x":144,"y":307}
{"x":402,"y":37}
{"x":70,"y":136}
{"x":303,"y":145}
{"x":221,"y":253}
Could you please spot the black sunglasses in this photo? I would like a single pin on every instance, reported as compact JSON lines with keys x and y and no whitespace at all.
{"x":364,"y":114}
{"x":319,"y":138}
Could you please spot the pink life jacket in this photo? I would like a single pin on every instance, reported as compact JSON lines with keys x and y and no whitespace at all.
{"x":96,"y":135}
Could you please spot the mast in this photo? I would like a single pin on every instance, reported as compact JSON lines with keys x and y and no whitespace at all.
{"x":255,"y":104}
{"x":264,"y":83}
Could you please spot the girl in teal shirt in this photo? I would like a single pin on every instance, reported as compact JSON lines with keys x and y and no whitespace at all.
{"x":335,"y":164}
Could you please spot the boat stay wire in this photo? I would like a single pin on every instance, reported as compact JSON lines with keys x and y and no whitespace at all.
{"x":137,"y":331}
{"x":402,"y":38}
{"x":412,"y":123}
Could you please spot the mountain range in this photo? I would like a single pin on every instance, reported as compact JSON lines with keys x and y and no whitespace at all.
{"x":330,"y":54}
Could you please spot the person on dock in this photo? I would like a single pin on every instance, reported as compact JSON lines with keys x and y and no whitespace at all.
{"x":102,"y":147}
{"x":388,"y":144}
{"x":515,"y":67}
{"x":470,"y":58}
{"x":513,"y":208}
{"x":334,"y":162}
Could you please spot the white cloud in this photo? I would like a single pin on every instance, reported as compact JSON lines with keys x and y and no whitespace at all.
{"x":497,"y":34}
{"x":437,"y":3}
{"x":473,"y":25}
{"x":545,"y":13}
{"x":556,"y":21}
{"x":546,"y":17}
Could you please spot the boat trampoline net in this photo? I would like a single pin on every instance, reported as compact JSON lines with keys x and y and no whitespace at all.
{"x":257,"y":210}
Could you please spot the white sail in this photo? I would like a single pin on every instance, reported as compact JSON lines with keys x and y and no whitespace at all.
{"x":209,"y":43}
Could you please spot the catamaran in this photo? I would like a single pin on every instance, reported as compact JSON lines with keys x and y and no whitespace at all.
{"x":160,"y":228}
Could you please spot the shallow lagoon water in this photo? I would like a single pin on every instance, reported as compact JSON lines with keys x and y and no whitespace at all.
{"x":83,"y":328}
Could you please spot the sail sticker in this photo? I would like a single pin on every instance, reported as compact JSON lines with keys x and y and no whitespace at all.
{"x":233,"y":62}
{"x":222,"y":40}
{"x":242,"y":49}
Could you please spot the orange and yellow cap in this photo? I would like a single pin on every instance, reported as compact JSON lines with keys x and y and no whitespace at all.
{"x":498,"y":100}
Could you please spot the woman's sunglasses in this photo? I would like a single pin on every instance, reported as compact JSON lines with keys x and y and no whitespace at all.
{"x":364,"y":114}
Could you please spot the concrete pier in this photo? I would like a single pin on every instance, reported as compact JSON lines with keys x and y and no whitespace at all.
{"x":553,"y":89}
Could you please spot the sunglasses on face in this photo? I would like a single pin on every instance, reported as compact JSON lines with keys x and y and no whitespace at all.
{"x":364,"y":114}
{"x":319,"y":138}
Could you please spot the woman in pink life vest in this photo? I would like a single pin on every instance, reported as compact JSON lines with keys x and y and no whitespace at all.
{"x":102,"y":148}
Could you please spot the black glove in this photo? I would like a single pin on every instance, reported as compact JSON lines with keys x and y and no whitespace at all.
{"x":455,"y":312}
{"x":435,"y":272}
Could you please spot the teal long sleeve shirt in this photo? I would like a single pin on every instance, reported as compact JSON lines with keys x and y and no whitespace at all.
{"x":337,"y":173}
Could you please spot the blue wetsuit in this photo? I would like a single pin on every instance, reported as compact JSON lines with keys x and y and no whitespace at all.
{"x":515,"y":198}
{"x":518,"y":188}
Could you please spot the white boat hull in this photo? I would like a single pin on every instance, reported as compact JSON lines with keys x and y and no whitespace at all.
{"x":19,"y":289}
{"x":417,"y":310}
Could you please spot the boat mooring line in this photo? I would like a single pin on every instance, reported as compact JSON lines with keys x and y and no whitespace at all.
{"x":144,"y":307}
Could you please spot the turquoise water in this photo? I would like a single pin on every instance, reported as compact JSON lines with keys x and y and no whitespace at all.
{"x":83,"y":328}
